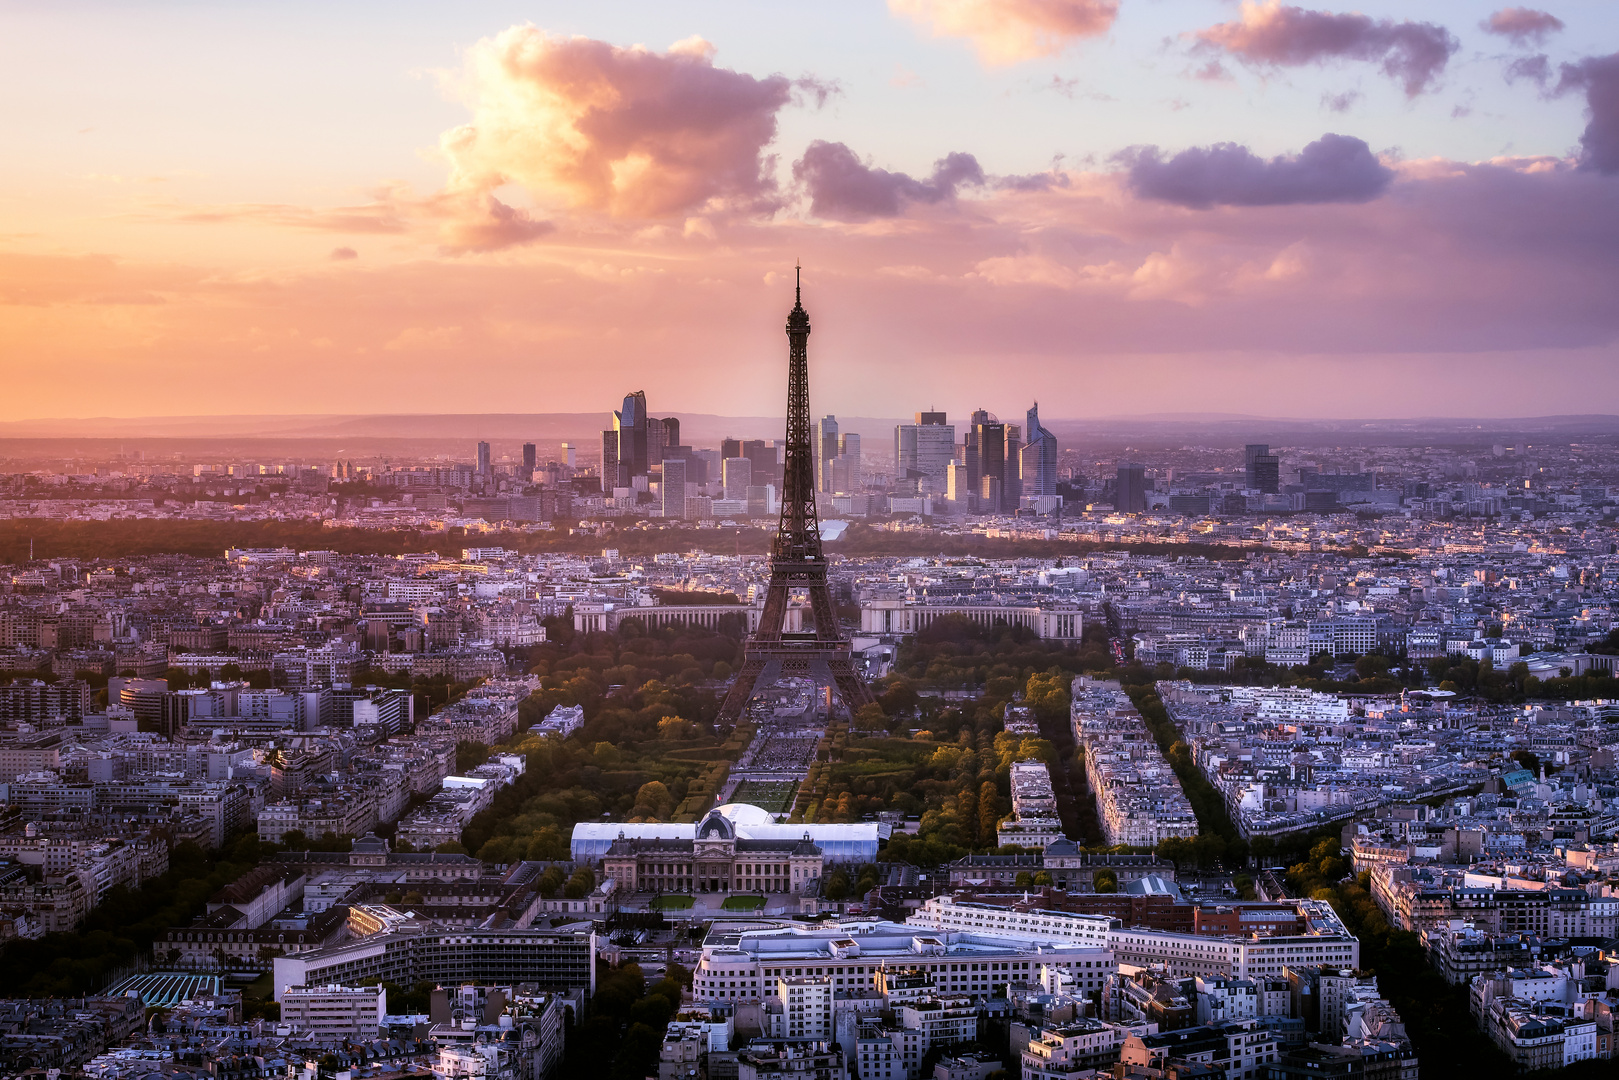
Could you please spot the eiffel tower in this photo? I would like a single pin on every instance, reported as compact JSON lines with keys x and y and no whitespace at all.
{"x":796,"y":562}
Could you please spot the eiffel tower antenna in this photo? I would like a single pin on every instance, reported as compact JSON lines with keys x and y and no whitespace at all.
{"x":797,"y":562}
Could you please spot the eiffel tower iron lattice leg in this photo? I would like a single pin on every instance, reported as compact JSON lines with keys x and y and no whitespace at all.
{"x":797,"y":563}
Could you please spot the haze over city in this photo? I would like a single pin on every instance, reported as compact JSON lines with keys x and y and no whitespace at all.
{"x":1121,"y":208}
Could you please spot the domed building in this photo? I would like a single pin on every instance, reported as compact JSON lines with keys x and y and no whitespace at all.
{"x":714,"y":860}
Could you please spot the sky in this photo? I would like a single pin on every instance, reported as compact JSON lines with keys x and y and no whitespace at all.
{"x":1111,"y":207}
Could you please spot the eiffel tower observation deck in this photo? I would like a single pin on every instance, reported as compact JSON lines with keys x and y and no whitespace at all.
{"x":797,"y":565}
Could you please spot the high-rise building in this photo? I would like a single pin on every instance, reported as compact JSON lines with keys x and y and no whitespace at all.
{"x":730,"y":448}
{"x":1037,"y":461}
{"x":1012,"y":478}
{"x":1264,"y":469}
{"x":905,"y":467}
{"x":969,"y":443}
{"x":763,"y":456}
{"x":662,"y":436}
{"x":990,"y":438}
{"x":958,"y":488}
{"x":1130,"y":492}
{"x":923,"y":451}
{"x":631,"y":425}
{"x":609,"y":462}
{"x":570,"y":455}
{"x":843,"y":471}
{"x":826,"y":448}
{"x":844,"y":475}
{"x":655,"y":448}
{"x":704,"y":467}
{"x":760,"y":496}
{"x":674,"y":488}
{"x":738,"y":477}
{"x":484,"y":468}
{"x":990,"y":493}
{"x":529,"y":461}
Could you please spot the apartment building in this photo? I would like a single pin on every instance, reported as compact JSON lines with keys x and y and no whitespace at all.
{"x":354,"y":1012}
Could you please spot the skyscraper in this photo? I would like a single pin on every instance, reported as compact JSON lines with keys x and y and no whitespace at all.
{"x":738,"y":477}
{"x":484,"y":467}
{"x":529,"y":462}
{"x":990,"y":437}
{"x":990,"y":493}
{"x":1130,"y":491}
{"x":631,"y":425}
{"x":1037,"y":461}
{"x":674,"y":488}
{"x":657,"y":436}
{"x":969,"y":442}
{"x":923,"y":451}
{"x":849,"y":447}
{"x":905,"y":467}
{"x":1264,"y":469}
{"x":763,"y":456}
{"x":826,"y":448}
{"x":957,"y":487}
{"x":1012,"y":482}
{"x":610,"y":462}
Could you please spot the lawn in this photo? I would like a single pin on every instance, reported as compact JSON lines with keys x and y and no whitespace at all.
{"x":672,"y":903}
{"x":773,"y":796}
{"x":743,"y":903}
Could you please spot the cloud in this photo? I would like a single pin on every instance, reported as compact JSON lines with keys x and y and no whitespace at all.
{"x":809,"y":88}
{"x":384,"y":215}
{"x":1009,"y":31}
{"x":1278,"y":35}
{"x":1522,"y":25}
{"x":625,"y":131}
{"x":1537,"y":69}
{"x":465,"y":220}
{"x":343,"y":254}
{"x":1462,"y":275}
{"x":484,"y":223}
{"x":1598,"y":76}
{"x":843,"y":188}
{"x":1333,"y":169}
{"x":1340,"y":102}
{"x":1031,"y":181}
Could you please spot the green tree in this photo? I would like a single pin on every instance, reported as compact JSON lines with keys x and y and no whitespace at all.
{"x":653,"y":801}
{"x":580,"y":884}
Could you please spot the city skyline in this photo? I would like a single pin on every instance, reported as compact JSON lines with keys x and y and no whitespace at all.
{"x":1118,"y":208}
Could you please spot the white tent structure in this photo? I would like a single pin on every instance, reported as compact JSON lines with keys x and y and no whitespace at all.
{"x":851,"y":843}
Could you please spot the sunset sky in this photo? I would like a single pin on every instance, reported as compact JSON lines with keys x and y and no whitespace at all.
{"x":1116,"y":208}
